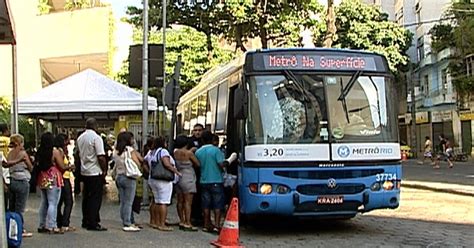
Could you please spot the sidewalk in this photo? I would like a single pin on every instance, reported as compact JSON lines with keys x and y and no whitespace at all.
{"x":458,"y":180}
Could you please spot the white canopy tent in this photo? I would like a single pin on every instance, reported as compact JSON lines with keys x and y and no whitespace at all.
{"x":85,"y":92}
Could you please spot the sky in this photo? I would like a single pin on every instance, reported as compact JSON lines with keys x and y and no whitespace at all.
{"x":120,"y":6}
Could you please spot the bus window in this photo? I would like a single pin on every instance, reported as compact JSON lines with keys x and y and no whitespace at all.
{"x":221,"y":108}
{"x":187,"y":117}
{"x":194,"y":111}
{"x":202,"y":99}
{"x":359,"y":109}
{"x":211,"y":109}
{"x":287,"y":109}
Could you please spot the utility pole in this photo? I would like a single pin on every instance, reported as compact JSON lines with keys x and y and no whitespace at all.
{"x":175,"y":92}
{"x":411,"y":84}
{"x":164,"y":67}
{"x":145,"y":75}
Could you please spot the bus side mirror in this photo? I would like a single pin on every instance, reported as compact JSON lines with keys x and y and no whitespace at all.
{"x":240,"y":104}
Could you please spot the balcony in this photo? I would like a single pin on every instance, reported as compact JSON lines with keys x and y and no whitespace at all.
{"x":429,"y":59}
{"x":444,"y":54}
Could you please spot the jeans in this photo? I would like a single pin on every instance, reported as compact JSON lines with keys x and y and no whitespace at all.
{"x":126,"y":187}
{"x":49,"y":207}
{"x":19,"y":190}
{"x":66,"y":199}
{"x":92,"y":200}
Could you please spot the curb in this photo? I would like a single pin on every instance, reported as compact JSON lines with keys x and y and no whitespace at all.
{"x":436,"y":189}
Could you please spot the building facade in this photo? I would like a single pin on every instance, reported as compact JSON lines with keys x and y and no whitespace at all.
{"x":55,"y":43}
{"x":436,"y":101}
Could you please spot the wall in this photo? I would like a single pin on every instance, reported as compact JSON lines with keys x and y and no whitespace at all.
{"x":46,"y":36}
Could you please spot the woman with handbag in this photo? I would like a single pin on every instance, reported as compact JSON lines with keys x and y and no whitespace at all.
{"x":127,"y":162}
{"x":50,"y":180}
{"x":162,"y":174}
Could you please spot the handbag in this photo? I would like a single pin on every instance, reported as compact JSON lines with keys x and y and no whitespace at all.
{"x":159,"y":171}
{"x":131,"y":168}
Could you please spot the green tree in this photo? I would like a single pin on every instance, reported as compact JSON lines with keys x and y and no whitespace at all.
{"x":25,"y":125}
{"x":276,"y":22}
{"x":191,"y":45}
{"x":458,"y":35}
{"x":365,"y":27}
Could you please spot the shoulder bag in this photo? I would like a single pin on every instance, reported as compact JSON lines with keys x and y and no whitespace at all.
{"x":131,"y":168}
{"x":159,"y":171}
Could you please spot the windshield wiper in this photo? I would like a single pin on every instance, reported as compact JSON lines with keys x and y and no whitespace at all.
{"x":298,"y":84}
{"x":346,"y":90}
{"x":349,"y":85}
{"x":343,"y":102}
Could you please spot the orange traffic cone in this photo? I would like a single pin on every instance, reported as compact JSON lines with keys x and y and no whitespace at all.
{"x":404,"y":155}
{"x":229,"y":235}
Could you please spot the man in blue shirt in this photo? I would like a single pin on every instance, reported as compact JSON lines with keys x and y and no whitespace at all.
{"x":212,"y":162}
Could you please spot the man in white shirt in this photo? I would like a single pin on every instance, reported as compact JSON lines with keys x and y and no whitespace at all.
{"x":93,"y":172}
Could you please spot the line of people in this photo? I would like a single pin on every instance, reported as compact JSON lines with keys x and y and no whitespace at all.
{"x":197,"y":163}
{"x":196,"y":169}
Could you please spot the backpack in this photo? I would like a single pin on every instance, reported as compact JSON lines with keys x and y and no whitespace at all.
{"x":14,"y":225}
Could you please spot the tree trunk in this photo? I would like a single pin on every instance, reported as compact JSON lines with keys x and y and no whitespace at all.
{"x":238,"y":39}
{"x":210,"y":49}
{"x":331,"y":25}
{"x":262,"y":20}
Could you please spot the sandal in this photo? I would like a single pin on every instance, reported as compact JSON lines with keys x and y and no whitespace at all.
{"x":55,"y":231}
{"x":153,"y":226}
{"x":189,"y":228}
{"x":210,"y":229}
{"x":165,"y":228}
{"x":68,"y":229}
{"x":26,"y":234}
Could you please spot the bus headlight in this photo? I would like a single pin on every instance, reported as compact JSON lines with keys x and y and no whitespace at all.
{"x":253,"y":187}
{"x":375,"y":186}
{"x":265,"y":188}
{"x":388,"y":185}
{"x":282,"y":189}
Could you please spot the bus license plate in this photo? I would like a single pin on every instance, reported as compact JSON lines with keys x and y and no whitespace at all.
{"x":330,"y":199}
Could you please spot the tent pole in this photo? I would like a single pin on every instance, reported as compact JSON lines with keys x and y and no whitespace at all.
{"x":14,"y":124}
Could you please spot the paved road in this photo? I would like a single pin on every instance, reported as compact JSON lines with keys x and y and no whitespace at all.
{"x":462,"y":173}
{"x":424,"y":219}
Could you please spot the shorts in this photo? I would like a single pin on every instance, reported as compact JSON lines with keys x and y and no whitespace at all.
{"x":162,"y":190}
{"x":212,"y":196}
{"x":428,"y":154}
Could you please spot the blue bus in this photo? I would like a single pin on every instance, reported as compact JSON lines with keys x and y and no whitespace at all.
{"x":315,"y":129}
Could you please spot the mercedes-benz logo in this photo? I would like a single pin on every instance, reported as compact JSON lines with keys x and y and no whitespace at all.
{"x":332,"y":183}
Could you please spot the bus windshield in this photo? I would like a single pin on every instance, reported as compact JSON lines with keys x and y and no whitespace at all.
{"x":292,"y":108}
{"x":287,"y":109}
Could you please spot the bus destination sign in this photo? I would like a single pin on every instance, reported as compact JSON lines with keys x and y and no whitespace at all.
{"x":318,"y":62}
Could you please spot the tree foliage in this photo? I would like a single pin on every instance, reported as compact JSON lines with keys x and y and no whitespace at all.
{"x":365,"y":27}
{"x":191,"y":45}
{"x":458,"y":35}
{"x":25,"y":125}
{"x":276,"y":22}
